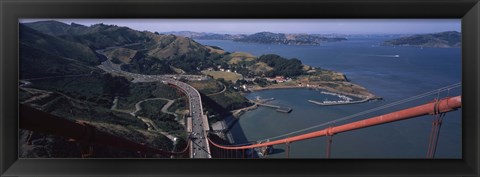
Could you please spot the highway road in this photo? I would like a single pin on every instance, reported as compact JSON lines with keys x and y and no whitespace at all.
{"x":200,"y":146}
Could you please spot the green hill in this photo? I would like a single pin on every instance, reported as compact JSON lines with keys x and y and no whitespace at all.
{"x":56,"y":46}
{"x":158,"y":51}
{"x":182,"y":52}
{"x":51,"y":27}
{"x":282,"y":66}
{"x":36,"y":63}
{"x":438,"y":40}
{"x":97,"y":36}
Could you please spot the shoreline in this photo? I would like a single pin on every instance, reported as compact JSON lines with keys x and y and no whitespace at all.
{"x":369,"y":96}
{"x":222,"y":128}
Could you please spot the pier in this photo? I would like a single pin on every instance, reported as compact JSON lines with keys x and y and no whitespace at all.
{"x":277,"y":108}
{"x":259,"y":100}
{"x":262,"y":102}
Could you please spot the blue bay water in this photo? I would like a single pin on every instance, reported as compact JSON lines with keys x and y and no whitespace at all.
{"x":365,"y":62}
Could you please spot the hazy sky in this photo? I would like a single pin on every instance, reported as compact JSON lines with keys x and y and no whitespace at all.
{"x":312,"y":26}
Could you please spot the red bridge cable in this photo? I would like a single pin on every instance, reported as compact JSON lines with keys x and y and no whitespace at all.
{"x":444,"y":105}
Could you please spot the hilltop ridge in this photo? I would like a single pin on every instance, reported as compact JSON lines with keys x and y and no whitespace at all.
{"x":288,"y":39}
{"x":263,"y":37}
{"x":446,"y":39}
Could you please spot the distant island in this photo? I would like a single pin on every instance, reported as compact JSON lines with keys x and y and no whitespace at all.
{"x":446,"y":39}
{"x":205,"y":36}
{"x":263,"y":37}
{"x":288,"y":39}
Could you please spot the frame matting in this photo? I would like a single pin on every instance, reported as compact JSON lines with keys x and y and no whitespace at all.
{"x":11,"y":11}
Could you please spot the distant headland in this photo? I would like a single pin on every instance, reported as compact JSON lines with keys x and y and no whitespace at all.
{"x":448,"y":39}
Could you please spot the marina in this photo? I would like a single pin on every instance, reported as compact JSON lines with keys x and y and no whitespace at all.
{"x":342,"y":97}
{"x":340,"y":102}
{"x":343,"y":100}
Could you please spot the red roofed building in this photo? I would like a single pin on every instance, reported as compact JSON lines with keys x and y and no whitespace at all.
{"x":280,"y":79}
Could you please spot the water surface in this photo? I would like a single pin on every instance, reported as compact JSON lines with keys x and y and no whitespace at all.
{"x":367,"y":63}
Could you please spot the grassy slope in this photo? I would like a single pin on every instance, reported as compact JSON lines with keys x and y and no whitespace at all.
{"x":229,"y":76}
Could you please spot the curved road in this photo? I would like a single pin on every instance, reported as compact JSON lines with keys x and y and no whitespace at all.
{"x":200,"y":145}
{"x":224,"y":89}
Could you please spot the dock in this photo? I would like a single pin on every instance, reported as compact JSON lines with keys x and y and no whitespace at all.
{"x":258,"y":100}
{"x":277,"y":108}
{"x":263,"y":102}
{"x":284,"y":110}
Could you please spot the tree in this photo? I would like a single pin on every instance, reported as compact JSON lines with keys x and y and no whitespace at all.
{"x":116,"y":85}
{"x":282,"y":66}
{"x":261,"y":82}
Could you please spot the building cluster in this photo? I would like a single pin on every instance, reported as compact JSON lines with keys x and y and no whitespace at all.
{"x":219,"y":68}
{"x":278,"y":79}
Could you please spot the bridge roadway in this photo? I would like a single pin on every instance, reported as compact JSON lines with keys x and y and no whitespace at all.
{"x":200,"y":145}
{"x":200,"y":148}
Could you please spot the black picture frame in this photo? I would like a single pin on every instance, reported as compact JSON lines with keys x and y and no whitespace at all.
{"x":11,"y":11}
